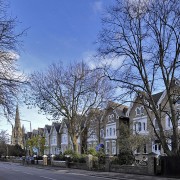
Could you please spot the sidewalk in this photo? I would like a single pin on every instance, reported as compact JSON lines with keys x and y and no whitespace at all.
{"x":110,"y":175}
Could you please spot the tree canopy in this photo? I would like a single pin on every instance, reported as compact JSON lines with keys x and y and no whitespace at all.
{"x":142,"y":37}
{"x":69,"y":93}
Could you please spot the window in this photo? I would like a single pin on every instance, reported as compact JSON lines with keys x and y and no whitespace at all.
{"x":145,"y":149}
{"x":113,"y":147}
{"x":155,"y":147}
{"x":110,"y":132}
{"x":139,"y":126}
{"x":111,"y":118}
{"x":102,"y":133}
{"x":107,"y":132}
{"x":169,"y":122}
{"x":156,"y":124}
{"x":144,"y":126}
{"x":107,"y":147}
{"x":142,"y":110}
{"x":139,"y":111}
{"x":64,"y":139}
{"x":114,"y":131}
{"x":159,"y":147}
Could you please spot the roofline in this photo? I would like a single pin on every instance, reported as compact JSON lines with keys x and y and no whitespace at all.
{"x":162,"y":97}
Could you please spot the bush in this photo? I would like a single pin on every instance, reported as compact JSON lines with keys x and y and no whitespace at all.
{"x":92,"y":151}
{"x":82,"y":158}
{"x":124,"y":158}
{"x":79,"y":158}
{"x":68,"y":152}
{"x":59,"y":158}
{"x":101,"y":157}
{"x":75,"y":157}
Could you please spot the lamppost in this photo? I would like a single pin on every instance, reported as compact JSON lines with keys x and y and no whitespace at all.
{"x":29,"y":123}
{"x":7,"y":144}
{"x":26,"y":148}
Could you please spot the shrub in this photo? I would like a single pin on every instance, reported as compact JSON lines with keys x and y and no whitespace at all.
{"x":101,"y":156}
{"x":82,"y":158}
{"x":92,"y":151}
{"x":59,"y":158}
{"x":68,"y":152}
{"x":124,"y":158}
{"x":79,"y":158}
{"x":75,"y":157}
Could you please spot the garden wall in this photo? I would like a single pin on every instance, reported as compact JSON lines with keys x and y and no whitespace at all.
{"x":76,"y":165}
{"x":129,"y":169}
{"x":59,"y":163}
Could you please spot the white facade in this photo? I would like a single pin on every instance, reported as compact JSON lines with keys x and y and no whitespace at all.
{"x":140,"y":125}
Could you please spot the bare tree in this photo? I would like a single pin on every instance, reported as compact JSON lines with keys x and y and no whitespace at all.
{"x":4,"y":141}
{"x":145,"y":36}
{"x":70,"y":93}
{"x":9,"y":76}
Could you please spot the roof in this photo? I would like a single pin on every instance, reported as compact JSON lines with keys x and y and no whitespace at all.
{"x":57,"y":126}
{"x":119,"y":108}
{"x":157,"y":96}
{"x":29,"y":134}
{"x":48,"y":127}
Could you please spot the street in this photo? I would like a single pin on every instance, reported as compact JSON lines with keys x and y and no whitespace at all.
{"x":12,"y":171}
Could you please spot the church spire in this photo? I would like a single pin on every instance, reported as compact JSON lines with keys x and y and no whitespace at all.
{"x":17,"y":133}
{"x":17,"y":118}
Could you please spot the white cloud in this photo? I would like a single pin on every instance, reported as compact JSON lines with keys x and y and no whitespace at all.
{"x":93,"y":62}
{"x":97,"y":6}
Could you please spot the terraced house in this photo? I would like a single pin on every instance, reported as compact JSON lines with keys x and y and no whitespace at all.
{"x":65,"y":139}
{"x":55,"y":139}
{"x":144,"y":123}
{"x":114,"y":114}
{"x":95,"y":134}
{"x":47,"y":130}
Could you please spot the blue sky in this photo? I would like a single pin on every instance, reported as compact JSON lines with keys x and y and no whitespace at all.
{"x":59,"y":30}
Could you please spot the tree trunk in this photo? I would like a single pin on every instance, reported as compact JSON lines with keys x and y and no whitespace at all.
{"x":75,"y":144}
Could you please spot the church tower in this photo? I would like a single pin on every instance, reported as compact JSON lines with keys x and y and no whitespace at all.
{"x":17,"y":132}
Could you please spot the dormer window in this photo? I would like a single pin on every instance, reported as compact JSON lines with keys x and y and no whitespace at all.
{"x":111,"y":118}
{"x":142,"y":110}
{"x":139,"y":111}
